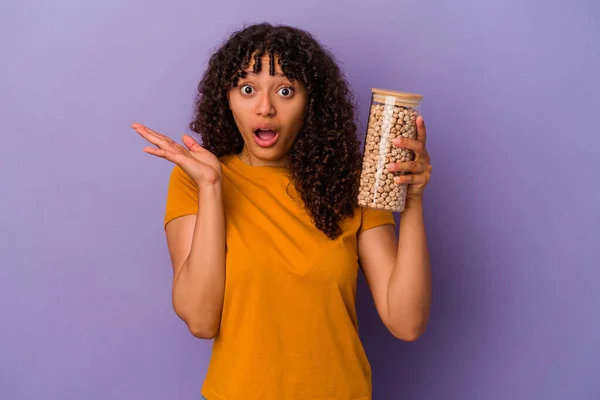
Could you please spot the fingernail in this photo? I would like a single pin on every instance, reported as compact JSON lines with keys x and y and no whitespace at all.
{"x":397,"y":179}
{"x":397,"y":140}
{"x":390,"y":166}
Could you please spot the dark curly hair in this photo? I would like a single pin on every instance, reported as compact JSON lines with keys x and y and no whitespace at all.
{"x":325,"y":159}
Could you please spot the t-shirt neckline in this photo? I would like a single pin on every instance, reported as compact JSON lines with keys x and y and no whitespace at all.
{"x":256,"y":171}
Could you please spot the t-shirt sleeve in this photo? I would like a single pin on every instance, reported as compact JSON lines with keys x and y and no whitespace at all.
{"x":182,"y":196}
{"x":372,"y":217}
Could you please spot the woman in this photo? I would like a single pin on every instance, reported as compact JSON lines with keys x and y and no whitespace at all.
{"x":264,"y":231}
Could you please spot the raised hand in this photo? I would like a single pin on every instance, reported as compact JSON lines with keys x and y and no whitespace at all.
{"x":420,"y":169}
{"x":200,"y":164}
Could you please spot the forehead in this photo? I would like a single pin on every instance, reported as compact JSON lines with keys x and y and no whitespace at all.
{"x":265,"y":61}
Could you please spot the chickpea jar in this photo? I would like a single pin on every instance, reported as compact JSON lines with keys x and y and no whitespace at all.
{"x":392,"y":114}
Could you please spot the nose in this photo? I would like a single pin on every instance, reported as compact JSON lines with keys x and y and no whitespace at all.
{"x":265,"y":106}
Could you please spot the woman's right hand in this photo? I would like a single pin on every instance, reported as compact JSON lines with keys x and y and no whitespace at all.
{"x":202,"y":166}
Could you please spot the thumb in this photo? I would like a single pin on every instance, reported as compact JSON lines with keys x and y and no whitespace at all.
{"x":191,"y":143}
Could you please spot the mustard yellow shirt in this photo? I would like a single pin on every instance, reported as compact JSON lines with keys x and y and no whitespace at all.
{"x":289,"y":329}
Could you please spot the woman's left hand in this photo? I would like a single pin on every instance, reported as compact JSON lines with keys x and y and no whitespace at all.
{"x":420,"y":169}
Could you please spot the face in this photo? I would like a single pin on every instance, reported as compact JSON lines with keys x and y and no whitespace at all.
{"x":269,"y":112}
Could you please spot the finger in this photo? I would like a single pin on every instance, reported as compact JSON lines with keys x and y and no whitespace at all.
{"x":407,"y":166}
{"x":411,"y":144}
{"x":152,"y":136}
{"x":191,"y":143}
{"x":176,"y":158}
{"x":146,"y":134}
{"x":160,"y":135}
{"x":417,"y":179}
{"x":421,"y":130}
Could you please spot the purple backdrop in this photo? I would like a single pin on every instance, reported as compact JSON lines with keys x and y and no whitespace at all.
{"x":511,"y":100}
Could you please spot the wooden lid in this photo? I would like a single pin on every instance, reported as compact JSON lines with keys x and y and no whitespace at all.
{"x":403,"y":99}
{"x":403,"y":95}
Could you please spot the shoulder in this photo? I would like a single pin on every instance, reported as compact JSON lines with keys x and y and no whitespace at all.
{"x":182,"y":195}
{"x":364,"y":219}
{"x":180,"y":179}
{"x":371,"y":217}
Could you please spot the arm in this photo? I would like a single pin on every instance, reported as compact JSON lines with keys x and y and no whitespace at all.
{"x":398,"y":273}
{"x":197,"y":249}
{"x":196,"y":242}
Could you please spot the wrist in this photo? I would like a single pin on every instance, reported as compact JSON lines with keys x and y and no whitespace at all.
{"x":414,"y":202}
{"x":216,"y":184}
{"x":209,"y":189}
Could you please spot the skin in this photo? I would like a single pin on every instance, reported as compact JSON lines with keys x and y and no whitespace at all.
{"x":397,"y":269}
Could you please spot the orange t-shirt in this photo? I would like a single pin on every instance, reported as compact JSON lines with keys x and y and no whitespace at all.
{"x":288,"y":329}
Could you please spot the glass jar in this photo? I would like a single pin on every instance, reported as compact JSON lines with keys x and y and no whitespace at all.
{"x":392,"y":114}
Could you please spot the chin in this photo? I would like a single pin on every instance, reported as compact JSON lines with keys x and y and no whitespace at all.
{"x":273,"y":154}
{"x":270,"y":154}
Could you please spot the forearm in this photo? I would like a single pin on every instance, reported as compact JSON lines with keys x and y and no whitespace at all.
{"x":409,"y":289}
{"x":198,"y":289}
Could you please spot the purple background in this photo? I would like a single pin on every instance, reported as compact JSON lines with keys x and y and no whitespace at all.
{"x":511,"y":102}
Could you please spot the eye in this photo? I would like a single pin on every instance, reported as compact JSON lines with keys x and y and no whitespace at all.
{"x":247,"y":89}
{"x":286,"y":91}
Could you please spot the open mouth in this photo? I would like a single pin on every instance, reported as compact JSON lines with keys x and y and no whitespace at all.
{"x":265,"y":137}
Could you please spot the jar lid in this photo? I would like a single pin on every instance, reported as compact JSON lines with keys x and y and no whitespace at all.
{"x":403,"y":99}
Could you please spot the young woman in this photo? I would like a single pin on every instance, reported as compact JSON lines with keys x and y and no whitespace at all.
{"x":264,"y":229}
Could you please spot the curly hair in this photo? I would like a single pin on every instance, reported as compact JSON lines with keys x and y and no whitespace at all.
{"x":325,"y":158}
